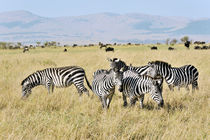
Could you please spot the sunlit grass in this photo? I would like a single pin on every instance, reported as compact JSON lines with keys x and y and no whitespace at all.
{"x":65,"y":115}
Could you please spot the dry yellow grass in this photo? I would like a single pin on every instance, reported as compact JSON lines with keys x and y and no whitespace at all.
{"x":65,"y":115}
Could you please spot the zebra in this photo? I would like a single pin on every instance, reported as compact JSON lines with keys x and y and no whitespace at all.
{"x":117,"y":63}
{"x":59,"y":77}
{"x":182,"y":76}
{"x":136,"y":86}
{"x":103,"y":85}
{"x":142,"y":70}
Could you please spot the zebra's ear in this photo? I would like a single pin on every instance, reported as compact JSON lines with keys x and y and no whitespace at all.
{"x":149,"y":63}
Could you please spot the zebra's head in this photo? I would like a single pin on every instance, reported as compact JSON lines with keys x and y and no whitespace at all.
{"x":26,"y":88}
{"x":156,"y":91}
{"x":152,"y":70}
{"x":158,"y":69}
{"x":118,"y":76}
{"x":116,"y":63}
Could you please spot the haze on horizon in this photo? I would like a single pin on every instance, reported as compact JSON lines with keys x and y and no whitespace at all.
{"x":59,"y":8}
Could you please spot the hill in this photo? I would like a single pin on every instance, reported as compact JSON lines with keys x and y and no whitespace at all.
{"x":25,"y":26}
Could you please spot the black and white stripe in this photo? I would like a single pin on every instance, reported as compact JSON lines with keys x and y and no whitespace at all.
{"x":117,"y":63}
{"x":135,"y":86}
{"x":180,"y":77}
{"x":142,"y":70}
{"x":103,"y":85}
{"x":59,"y":77}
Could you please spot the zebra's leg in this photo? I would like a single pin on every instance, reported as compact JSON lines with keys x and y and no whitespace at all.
{"x":187,"y":88}
{"x":53,"y":86}
{"x":101,"y":101}
{"x":125,"y":103}
{"x":109,"y":99}
{"x":171,"y":87}
{"x":80,"y":87}
{"x":178,"y":88}
{"x":79,"y":92}
{"x":194,"y":86}
{"x":133,"y":101}
{"x":48,"y":85}
{"x":141,"y":101}
{"x":104,"y":98}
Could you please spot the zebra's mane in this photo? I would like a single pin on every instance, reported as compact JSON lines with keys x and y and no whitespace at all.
{"x":30,"y":76}
{"x":24,"y":81}
{"x":160,"y":63}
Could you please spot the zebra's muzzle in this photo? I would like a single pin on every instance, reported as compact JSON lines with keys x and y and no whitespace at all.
{"x":120,"y":89}
{"x":161,"y":103}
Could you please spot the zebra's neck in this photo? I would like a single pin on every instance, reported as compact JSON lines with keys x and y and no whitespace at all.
{"x":167,"y":73}
{"x":35,"y":79}
{"x":140,"y":70}
{"x":144,"y":85}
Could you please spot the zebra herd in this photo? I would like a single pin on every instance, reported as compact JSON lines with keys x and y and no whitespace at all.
{"x":133,"y":82}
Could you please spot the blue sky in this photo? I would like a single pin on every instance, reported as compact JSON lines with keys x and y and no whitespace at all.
{"x":57,"y":8}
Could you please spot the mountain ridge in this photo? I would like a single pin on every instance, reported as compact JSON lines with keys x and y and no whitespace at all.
{"x":25,"y":26}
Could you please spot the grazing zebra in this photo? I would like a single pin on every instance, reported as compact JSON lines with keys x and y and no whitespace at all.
{"x":103,"y":84}
{"x":182,"y":76}
{"x":59,"y":77}
{"x":135,"y":86}
{"x":117,"y":63}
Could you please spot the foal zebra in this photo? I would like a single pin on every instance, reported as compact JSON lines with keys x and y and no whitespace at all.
{"x":182,"y":76}
{"x":59,"y":77}
{"x":135,"y":86}
{"x":103,"y":84}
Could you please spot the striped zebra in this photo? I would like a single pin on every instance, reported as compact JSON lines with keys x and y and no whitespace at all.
{"x":103,"y":85}
{"x":59,"y":77}
{"x":142,"y":70}
{"x":117,"y":63}
{"x":182,"y":76}
{"x":136,"y":86}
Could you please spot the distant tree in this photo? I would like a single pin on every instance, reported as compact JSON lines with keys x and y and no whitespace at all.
{"x":173,"y":41}
{"x":3,"y":45}
{"x":19,"y":43}
{"x":38,"y":43}
{"x":53,"y":43}
{"x":46,"y":43}
{"x":167,"y":41}
{"x":184,"y":39}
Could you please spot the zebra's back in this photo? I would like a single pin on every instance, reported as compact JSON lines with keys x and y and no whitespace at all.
{"x":185,"y":75}
{"x":135,"y":84}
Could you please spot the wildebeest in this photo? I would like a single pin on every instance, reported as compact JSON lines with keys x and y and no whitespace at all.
{"x":103,"y":46}
{"x":109,"y":49}
{"x":204,"y":48}
{"x":65,"y":50}
{"x":199,"y":42}
{"x":170,"y":48}
{"x":74,"y":45}
{"x":187,"y":44}
{"x":25,"y":49}
{"x":154,"y":48}
{"x":197,"y":47}
{"x":91,"y":45}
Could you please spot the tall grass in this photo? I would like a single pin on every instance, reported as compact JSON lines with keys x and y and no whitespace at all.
{"x":65,"y":115}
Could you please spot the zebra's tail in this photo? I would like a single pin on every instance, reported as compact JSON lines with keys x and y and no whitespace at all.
{"x":88,"y":82}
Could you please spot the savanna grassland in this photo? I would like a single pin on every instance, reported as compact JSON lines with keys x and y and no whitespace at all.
{"x":65,"y":115}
